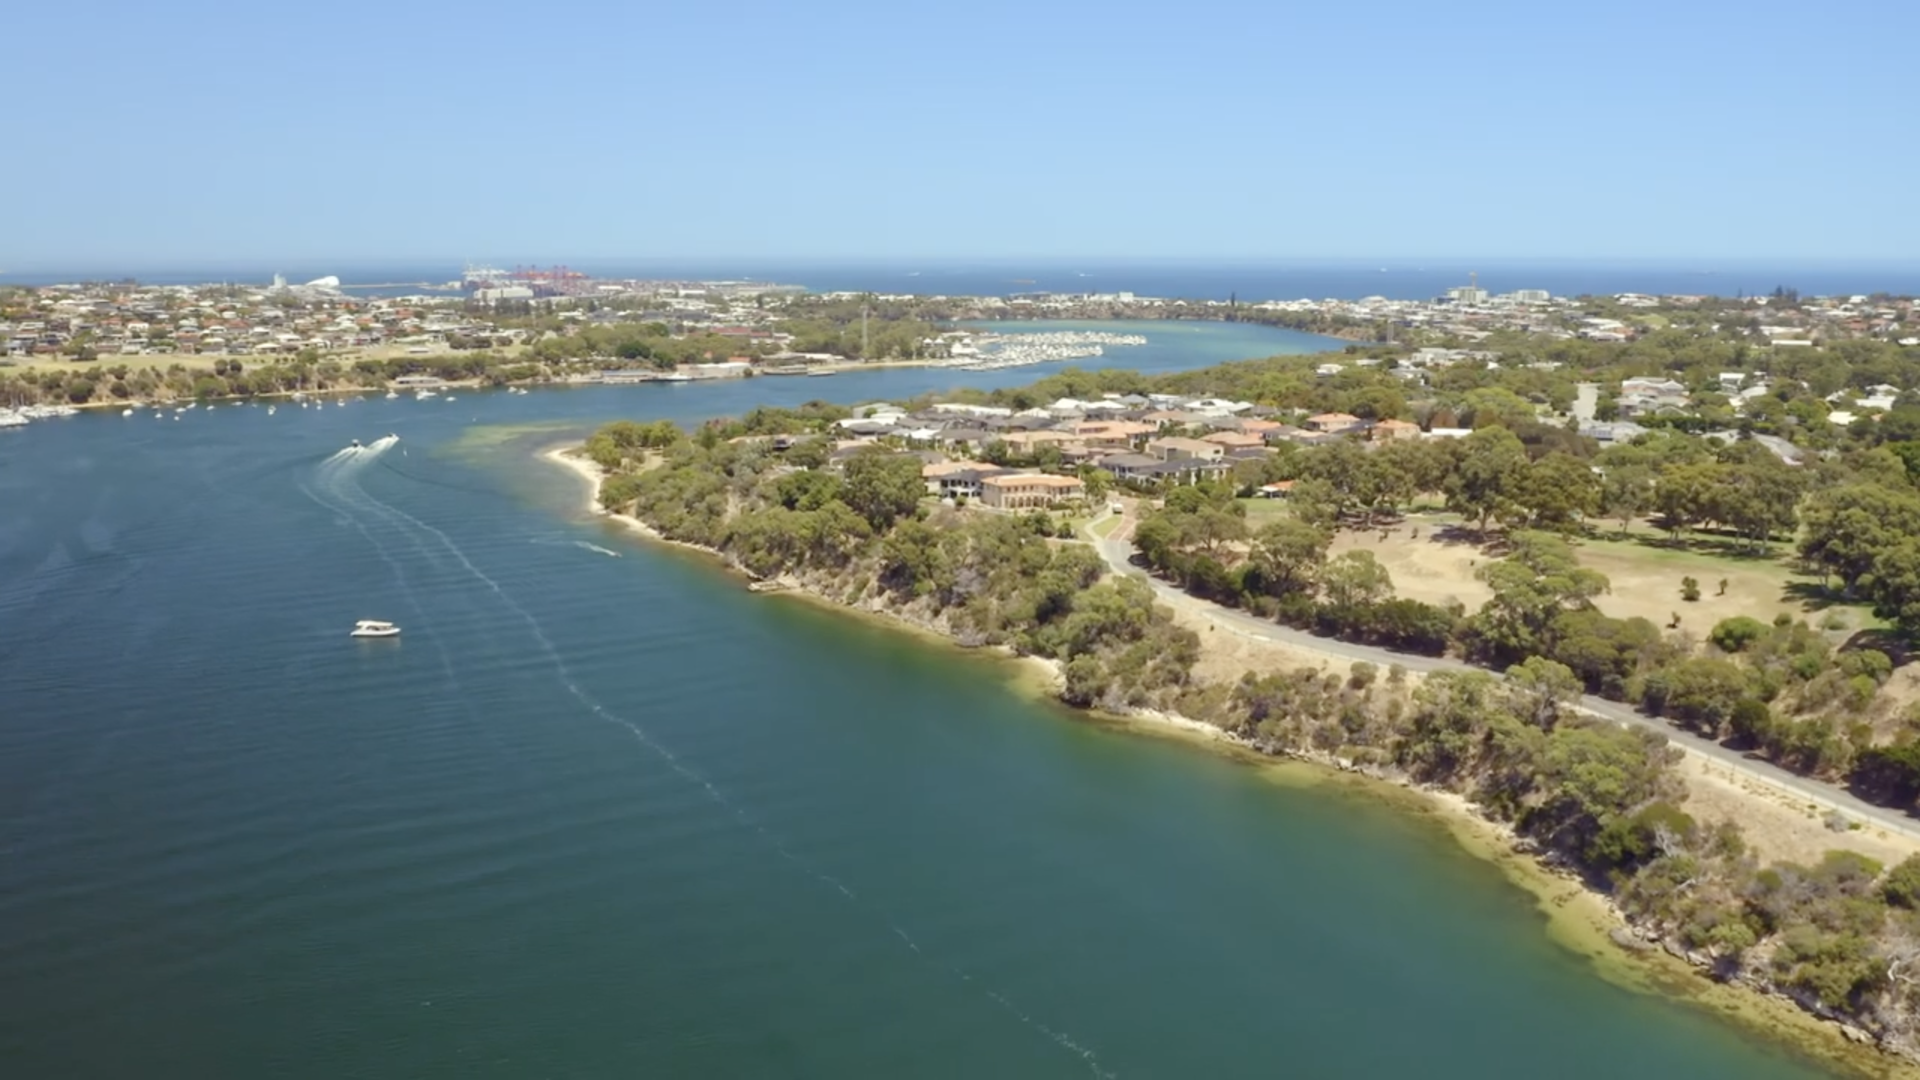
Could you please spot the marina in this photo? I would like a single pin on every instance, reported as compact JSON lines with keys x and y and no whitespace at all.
{"x":22,"y":415}
{"x":995,"y":351}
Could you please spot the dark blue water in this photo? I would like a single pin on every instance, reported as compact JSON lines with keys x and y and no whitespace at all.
{"x":1415,"y":279}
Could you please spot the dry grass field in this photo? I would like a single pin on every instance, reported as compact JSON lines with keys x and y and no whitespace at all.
{"x":1645,"y":571}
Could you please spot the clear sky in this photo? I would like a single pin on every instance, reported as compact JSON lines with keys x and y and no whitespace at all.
{"x":198,"y":131}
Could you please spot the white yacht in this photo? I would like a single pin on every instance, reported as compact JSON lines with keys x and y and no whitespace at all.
{"x":374,"y":628}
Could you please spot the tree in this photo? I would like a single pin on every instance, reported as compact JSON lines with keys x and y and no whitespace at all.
{"x":1684,"y":495}
{"x":1541,"y":688}
{"x":1356,"y":579}
{"x":1315,"y":503}
{"x":1559,"y":492}
{"x":1844,"y":529}
{"x":882,"y":487}
{"x":1689,"y":589}
{"x":1487,"y":475}
{"x":1626,"y":492}
{"x":1597,"y":773}
{"x":1894,"y":584}
{"x":1700,"y":692}
{"x":1537,"y":581}
{"x":1757,"y":493}
{"x":1902,"y":887}
{"x":1289,"y":554}
{"x":1098,"y":483}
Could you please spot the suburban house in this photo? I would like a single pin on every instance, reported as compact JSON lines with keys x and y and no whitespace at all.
{"x":1390,"y":430}
{"x":1647,"y":396}
{"x":951,"y":479}
{"x":1333,"y":423}
{"x":1236,"y":440}
{"x":1029,"y":491}
{"x":1144,"y":469}
{"x":1176,"y":449}
{"x":1113,"y":434}
{"x":1029,"y":442}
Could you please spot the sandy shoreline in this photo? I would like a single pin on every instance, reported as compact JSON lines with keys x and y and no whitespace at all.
{"x":1575,"y":916}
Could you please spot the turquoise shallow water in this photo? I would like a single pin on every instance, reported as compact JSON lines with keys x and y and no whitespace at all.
{"x":602,"y":813}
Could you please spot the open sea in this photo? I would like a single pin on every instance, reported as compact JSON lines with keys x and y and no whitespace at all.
{"x":600,"y":812}
{"x":1350,"y":279}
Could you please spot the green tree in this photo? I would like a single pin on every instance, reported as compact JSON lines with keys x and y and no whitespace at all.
{"x":1537,"y":581}
{"x":1626,"y":492}
{"x":882,"y":487}
{"x":1541,"y":689}
{"x":1289,"y":555}
{"x":1845,"y":529}
{"x":1701,"y":692}
{"x":1356,"y":579}
{"x":1487,"y":476}
{"x":1560,"y":492}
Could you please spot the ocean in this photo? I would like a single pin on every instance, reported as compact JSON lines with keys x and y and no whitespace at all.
{"x":601,"y":812}
{"x":1351,"y":279}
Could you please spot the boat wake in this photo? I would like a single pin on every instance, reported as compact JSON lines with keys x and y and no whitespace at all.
{"x":337,"y":486}
{"x":581,"y":544}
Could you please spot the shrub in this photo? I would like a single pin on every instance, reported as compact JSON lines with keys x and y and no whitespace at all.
{"x":1871,"y":663}
{"x":1902,"y":887}
{"x":1735,"y":634}
{"x":1751,"y":719}
{"x":1689,"y":589}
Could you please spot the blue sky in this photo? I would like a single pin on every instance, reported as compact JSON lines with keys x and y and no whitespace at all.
{"x":194,"y":132}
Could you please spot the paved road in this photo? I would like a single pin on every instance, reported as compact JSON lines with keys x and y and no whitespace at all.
{"x":1586,"y":401}
{"x":1117,"y":550}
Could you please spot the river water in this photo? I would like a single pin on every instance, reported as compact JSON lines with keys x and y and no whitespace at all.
{"x":600,"y":812}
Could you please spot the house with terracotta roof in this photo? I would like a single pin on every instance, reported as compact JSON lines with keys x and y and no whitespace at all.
{"x":1391,"y":430}
{"x":1333,"y":423}
{"x":1113,"y":434}
{"x":1235,"y":440}
{"x":958,"y":479}
{"x":1029,"y":442}
{"x":1177,"y":449}
{"x":1029,"y":491}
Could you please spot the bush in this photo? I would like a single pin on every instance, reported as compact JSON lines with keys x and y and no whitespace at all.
{"x":1902,"y":887}
{"x":1698,"y":692}
{"x":1751,"y":719}
{"x":1689,"y":589}
{"x":1735,"y":634}
{"x":1871,"y":663}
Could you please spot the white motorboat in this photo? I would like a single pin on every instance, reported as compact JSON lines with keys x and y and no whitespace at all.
{"x":374,"y":628}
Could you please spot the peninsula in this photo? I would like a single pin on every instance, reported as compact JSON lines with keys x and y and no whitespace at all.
{"x":1653,"y":650}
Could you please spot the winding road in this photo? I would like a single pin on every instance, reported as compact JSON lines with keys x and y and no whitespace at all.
{"x":1117,"y":549}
